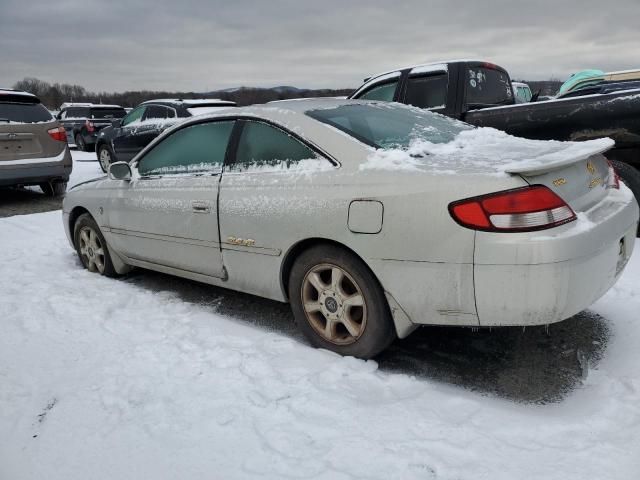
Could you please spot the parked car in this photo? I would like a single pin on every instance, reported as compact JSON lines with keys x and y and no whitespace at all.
{"x":521,"y":92}
{"x":125,"y":138}
{"x":370,"y":218}
{"x":83,"y":121}
{"x":33,"y":147}
{"x":480,"y":93}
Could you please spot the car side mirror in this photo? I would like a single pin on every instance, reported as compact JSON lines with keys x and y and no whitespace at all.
{"x":116,"y":123}
{"x":120,"y":171}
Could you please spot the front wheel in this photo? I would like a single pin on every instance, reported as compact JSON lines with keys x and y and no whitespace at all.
{"x":105,"y":158}
{"x":631,"y":178}
{"x":92,"y":247}
{"x":339,"y":304}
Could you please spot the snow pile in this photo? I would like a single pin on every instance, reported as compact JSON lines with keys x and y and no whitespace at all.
{"x":110,"y":379}
{"x":483,"y":151}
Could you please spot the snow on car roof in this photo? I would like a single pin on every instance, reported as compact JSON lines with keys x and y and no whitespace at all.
{"x":10,"y":91}
{"x":416,"y":68}
{"x":89,"y":105}
{"x":192,"y":101}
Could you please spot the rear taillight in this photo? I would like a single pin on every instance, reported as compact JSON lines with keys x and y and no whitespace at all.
{"x":58,"y":134}
{"x":613,"y":180}
{"x":519,"y":210}
{"x":89,"y":126}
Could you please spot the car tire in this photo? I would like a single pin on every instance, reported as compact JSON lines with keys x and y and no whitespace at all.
{"x":631,"y":178}
{"x":339,"y":304}
{"x":80,"y":145}
{"x":105,"y":157}
{"x":91,"y":246}
{"x":53,"y":189}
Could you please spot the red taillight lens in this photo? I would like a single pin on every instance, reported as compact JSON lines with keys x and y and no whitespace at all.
{"x":613,"y":180}
{"x":89,"y":126}
{"x":58,"y":134}
{"x":519,"y":210}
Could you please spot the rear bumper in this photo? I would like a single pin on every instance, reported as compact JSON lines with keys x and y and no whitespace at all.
{"x":548,"y":276}
{"x":35,"y":171}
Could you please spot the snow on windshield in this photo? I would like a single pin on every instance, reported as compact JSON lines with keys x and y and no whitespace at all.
{"x":481,"y":151}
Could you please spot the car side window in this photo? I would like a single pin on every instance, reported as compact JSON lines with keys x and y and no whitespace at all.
{"x":134,"y":115}
{"x":427,"y":91}
{"x":157,"y":112}
{"x":197,"y":149}
{"x":262,"y":144}
{"x":384,"y":92}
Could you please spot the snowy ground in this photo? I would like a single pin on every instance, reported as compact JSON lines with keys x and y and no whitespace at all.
{"x":107,"y":379}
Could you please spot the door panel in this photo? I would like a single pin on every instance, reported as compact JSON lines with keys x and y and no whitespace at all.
{"x":168,"y":214}
{"x":170,"y":221}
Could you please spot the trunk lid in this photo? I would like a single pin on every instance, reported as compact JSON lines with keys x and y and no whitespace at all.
{"x":579,"y":174}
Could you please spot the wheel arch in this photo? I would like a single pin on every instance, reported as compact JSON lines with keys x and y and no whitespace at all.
{"x":296,"y":250}
{"x":74,"y":215}
{"x":403,"y":324}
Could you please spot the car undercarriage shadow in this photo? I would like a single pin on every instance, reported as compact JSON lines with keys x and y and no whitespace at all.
{"x":20,"y":201}
{"x":531,"y":365}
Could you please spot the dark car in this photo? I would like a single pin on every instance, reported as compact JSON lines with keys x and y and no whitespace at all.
{"x":33,"y":147}
{"x":125,"y":138}
{"x":83,"y":121}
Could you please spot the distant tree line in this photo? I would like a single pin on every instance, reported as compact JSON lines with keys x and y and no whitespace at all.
{"x":53,"y":95}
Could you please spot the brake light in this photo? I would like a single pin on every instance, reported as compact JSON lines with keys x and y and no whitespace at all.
{"x":613,"y":180}
{"x":89,"y":126}
{"x":58,"y":134}
{"x":519,"y":210}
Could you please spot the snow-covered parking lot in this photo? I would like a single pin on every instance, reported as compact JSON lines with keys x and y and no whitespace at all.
{"x":113,"y":379}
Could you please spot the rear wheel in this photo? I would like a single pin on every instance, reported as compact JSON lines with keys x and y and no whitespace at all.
{"x":105,"y":157}
{"x":54,"y":189}
{"x":631,"y":178}
{"x":92,"y":247}
{"x":339,"y":304}
{"x":80,"y":145}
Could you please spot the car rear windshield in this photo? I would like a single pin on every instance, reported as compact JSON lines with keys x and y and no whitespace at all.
{"x":488,"y":86}
{"x":108,"y":112}
{"x":20,"y":112}
{"x":389,"y":125}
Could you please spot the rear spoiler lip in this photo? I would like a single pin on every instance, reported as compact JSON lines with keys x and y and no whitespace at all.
{"x":538,"y":166}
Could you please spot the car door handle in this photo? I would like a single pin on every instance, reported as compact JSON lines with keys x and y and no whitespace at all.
{"x":201,"y":207}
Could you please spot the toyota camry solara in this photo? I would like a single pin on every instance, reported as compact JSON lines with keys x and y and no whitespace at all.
{"x":370,"y":219}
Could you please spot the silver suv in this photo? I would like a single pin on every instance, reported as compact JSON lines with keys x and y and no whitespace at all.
{"x":33,"y":145}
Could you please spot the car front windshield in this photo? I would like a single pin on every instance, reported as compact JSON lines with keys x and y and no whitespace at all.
{"x":389,"y":125}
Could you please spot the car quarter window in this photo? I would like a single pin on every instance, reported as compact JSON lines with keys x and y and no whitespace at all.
{"x":134,"y":115}
{"x":196,"y":149}
{"x":428,"y":91}
{"x":262,"y":144}
{"x":384,"y":92}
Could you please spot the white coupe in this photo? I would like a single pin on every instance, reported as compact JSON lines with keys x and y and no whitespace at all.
{"x":369,"y":218}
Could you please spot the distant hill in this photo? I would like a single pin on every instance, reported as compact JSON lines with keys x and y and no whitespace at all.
{"x":53,"y":95}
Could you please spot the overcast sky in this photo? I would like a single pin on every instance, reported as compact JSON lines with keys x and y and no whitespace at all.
{"x":206,"y":45}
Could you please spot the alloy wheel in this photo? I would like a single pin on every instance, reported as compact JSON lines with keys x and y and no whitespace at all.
{"x":91,"y":250}
{"x":104,"y":158}
{"x":334,"y":304}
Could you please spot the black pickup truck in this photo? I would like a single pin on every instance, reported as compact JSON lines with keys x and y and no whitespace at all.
{"x":480,"y":93}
